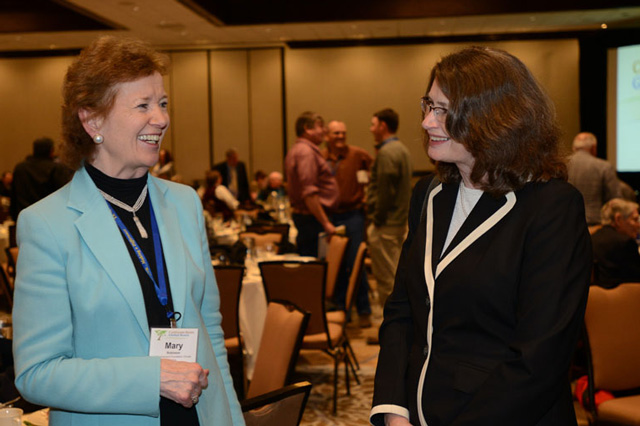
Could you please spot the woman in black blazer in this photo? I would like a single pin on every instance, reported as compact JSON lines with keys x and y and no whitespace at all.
{"x":493,"y":278}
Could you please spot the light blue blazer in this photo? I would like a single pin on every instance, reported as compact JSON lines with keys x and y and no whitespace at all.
{"x":81,"y":336}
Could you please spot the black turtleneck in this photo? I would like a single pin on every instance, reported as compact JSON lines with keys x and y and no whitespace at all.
{"x":128,"y":191}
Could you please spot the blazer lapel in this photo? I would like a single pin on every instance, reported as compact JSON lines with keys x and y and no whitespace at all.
{"x":484,"y":216}
{"x":172,"y":245}
{"x":443,"y":204}
{"x":102,"y":236}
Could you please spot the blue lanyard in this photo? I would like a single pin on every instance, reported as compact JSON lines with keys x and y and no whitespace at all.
{"x":161,"y":289}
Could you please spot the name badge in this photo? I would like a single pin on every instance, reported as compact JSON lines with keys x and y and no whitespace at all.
{"x":178,"y":344}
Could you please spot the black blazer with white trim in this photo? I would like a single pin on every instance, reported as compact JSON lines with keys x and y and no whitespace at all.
{"x":508,"y":300}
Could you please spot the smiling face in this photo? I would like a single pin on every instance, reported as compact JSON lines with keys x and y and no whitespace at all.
{"x":133,"y":129}
{"x":337,"y":135}
{"x":441,"y":147}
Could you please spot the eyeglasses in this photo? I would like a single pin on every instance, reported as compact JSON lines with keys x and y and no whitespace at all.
{"x":426,"y":104}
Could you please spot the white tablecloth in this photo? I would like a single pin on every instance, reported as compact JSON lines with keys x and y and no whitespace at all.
{"x":252,"y":313}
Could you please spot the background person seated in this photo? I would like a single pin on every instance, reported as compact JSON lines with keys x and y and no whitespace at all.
{"x":275,"y":182}
{"x":615,"y":251}
{"x":217,"y":198}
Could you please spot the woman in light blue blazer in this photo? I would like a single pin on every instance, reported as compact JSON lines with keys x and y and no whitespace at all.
{"x":112,"y":254}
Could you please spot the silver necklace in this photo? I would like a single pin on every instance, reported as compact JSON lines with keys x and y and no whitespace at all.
{"x":134,"y":209}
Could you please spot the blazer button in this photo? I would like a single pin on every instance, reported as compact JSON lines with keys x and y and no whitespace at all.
{"x":427,"y":302}
{"x":425,"y":350}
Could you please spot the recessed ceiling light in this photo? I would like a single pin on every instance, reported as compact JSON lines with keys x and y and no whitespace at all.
{"x":603,"y":26}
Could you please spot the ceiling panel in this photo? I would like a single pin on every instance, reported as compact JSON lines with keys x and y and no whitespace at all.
{"x":39,"y":25}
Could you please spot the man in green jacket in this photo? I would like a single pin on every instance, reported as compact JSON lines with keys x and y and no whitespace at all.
{"x":388,"y":199}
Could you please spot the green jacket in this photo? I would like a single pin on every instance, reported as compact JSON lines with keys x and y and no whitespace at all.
{"x":389,"y":191}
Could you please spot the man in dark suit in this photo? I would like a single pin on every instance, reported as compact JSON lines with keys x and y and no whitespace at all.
{"x":615,"y":251}
{"x":234,"y":175}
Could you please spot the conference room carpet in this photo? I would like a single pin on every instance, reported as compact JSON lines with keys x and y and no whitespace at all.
{"x":317,"y":368}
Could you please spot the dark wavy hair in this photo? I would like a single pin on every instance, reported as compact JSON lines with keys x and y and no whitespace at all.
{"x":90,"y":84}
{"x":502,"y":116}
{"x":307,"y":120}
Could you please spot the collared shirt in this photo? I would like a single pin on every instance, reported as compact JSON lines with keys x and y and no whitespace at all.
{"x":345,"y":167}
{"x":386,"y":141}
{"x":308,"y":173}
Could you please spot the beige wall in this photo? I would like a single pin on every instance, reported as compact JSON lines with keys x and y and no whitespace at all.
{"x":352,"y":83}
{"x":189,"y":105}
{"x":30,"y":99}
{"x":233,"y":98}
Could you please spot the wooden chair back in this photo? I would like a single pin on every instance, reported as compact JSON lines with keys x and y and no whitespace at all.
{"x":12,"y":260}
{"x":262,"y":240}
{"x":282,"y":407}
{"x":279,"y":346}
{"x":275,"y":228}
{"x":613,"y":342}
{"x":335,"y":255}
{"x":611,"y":321}
{"x":229,"y":279}
{"x":301,"y":283}
{"x":355,"y":277}
{"x":6,"y":289}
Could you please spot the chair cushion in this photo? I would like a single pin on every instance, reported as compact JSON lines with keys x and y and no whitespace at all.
{"x":319,"y":340}
{"x":624,"y":410}
{"x":336,"y":317}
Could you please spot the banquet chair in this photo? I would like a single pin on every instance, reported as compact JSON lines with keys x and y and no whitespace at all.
{"x":239,"y":214}
{"x":12,"y":260}
{"x":229,"y":279}
{"x":284,"y":328}
{"x":282,"y":407}
{"x":262,"y":240}
{"x":303,"y":283}
{"x":341,"y":317}
{"x":280,"y":228}
{"x":613,"y":356}
{"x":6,"y":289}
{"x":335,"y":254}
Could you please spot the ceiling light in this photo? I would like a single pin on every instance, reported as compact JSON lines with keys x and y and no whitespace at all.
{"x":603,"y":26}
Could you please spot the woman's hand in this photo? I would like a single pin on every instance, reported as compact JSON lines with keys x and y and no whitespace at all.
{"x":182,"y":382}
{"x":395,"y":420}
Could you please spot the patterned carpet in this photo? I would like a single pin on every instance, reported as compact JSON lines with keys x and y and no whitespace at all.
{"x":317,"y":368}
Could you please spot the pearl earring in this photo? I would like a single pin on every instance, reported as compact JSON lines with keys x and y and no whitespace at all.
{"x":98,"y":138}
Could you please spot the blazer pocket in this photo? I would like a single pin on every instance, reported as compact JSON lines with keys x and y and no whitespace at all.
{"x":469,"y":377}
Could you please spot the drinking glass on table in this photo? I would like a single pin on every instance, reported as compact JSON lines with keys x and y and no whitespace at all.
{"x":270,"y":250}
